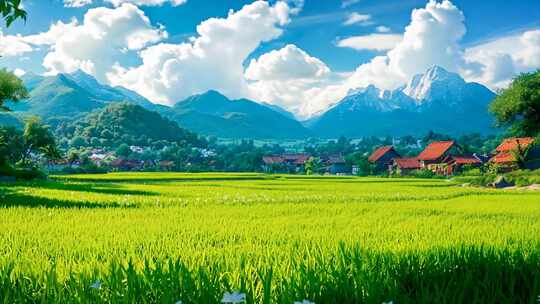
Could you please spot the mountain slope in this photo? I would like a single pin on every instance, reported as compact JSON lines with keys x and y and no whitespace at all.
{"x":436,"y":100}
{"x":58,"y":96}
{"x":66,"y":96}
{"x":212,"y":113}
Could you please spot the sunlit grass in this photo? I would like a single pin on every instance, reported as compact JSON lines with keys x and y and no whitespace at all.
{"x":279,"y":239}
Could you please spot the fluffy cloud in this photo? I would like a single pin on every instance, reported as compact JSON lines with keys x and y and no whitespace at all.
{"x":94,"y":46}
{"x":432,"y":37}
{"x":289,"y":77}
{"x":495,"y":63}
{"x":378,"y":42}
{"x":382,"y":29}
{"x":288,"y":63}
{"x":213,"y":60}
{"x":19,"y":72}
{"x":81,"y":3}
{"x":13,"y":45}
{"x":355,"y":18}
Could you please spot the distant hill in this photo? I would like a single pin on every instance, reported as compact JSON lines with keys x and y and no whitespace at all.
{"x":437,"y":100}
{"x":212,"y":113}
{"x":68,"y":96}
{"x":125,"y":123}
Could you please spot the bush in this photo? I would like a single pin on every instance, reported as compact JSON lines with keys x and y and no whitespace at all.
{"x":29,"y":174}
{"x":423,"y":174}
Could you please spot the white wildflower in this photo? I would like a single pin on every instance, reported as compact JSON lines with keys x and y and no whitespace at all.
{"x":96,"y":285}
{"x":234,"y":297}
{"x":179,"y":302}
{"x":389,"y":302}
{"x":304,"y":302}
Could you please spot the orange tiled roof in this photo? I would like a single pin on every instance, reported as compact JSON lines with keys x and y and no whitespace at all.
{"x":510,"y":144}
{"x":380,"y":152}
{"x":407,"y":163}
{"x":435,"y":150}
{"x":466,"y":160}
{"x":503,"y":158}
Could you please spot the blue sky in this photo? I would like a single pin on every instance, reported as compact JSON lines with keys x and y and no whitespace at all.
{"x":313,"y":43}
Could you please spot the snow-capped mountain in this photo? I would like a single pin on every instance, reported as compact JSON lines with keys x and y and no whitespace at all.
{"x":436,"y":100}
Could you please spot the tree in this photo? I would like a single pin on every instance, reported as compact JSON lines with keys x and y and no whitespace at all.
{"x":38,"y":139}
{"x":77,"y":142}
{"x":11,"y":10}
{"x":123,"y":151}
{"x":11,"y":89}
{"x":313,"y":166}
{"x":11,"y":144}
{"x":518,"y":106}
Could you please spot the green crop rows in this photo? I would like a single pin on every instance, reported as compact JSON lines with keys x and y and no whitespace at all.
{"x":163,"y":238}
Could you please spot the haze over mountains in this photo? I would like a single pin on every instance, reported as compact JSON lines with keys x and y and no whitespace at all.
{"x":437,"y":100}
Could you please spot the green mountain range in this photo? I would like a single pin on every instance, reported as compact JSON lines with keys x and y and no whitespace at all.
{"x":212,"y":113}
{"x":67,"y":97}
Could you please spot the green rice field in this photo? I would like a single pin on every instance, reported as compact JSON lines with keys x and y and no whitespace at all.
{"x":167,"y":237}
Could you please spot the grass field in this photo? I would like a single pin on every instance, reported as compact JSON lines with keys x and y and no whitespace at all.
{"x":163,"y":238}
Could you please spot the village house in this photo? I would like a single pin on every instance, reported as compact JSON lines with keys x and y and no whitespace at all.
{"x":335,"y":164}
{"x":404,"y":166}
{"x":434,"y":155}
{"x":383,"y":158}
{"x":456,"y":163}
{"x":286,"y":163}
{"x":505,"y":154}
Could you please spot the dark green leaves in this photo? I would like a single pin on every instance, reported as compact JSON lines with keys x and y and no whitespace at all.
{"x":518,"y":106}
{"x":11,"y":10}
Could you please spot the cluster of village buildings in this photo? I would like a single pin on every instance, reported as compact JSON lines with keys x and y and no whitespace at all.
{"x":440,"y":157}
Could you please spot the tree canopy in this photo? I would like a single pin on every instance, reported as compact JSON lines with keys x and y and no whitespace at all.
{"x":11,"y":89}
{"x":518,"y":106}
{"x":11,"y":10}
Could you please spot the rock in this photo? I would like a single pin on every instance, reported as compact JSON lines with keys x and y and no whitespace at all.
{"x":501,"y":182}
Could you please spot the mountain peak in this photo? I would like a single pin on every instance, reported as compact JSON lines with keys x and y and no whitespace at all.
{"x":421,"y":86}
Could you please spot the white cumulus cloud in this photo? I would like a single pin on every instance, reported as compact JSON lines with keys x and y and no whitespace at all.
{"x":292,"y":79}
{"x":94,"y":45}
{"x":212,"y":60}
{"x":432,"y":37}
{"x":379,"y":42}
{"x":289,"y":62}
{"x":13,"y":45}
{"x":496,"y":62}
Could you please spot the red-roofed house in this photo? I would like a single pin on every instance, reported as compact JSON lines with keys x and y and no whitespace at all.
{"x":383,"y":158}
{"x":506,"y":153}
{"x":456,"y":163}
{"x":435,"y":153}
{"x":404,"y":166}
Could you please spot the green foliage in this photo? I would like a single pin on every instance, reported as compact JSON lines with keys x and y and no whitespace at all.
{"x":518,"y":106}
{"x":11,"y":10}
{"x":38,"y":139}
{"x":122,"y":123}
{"x":313,"y":166}
{"x":11,"y":88}
{"x":423,"y":173}
{"x":123,"y":151}
{"x":161,"y":238}
{"x":17,"y":146}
